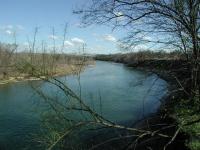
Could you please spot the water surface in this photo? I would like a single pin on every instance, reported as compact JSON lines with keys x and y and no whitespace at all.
{"x":126,"y":95}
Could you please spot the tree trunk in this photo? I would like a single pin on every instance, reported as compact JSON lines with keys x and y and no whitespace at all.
{"x":195,"y":71}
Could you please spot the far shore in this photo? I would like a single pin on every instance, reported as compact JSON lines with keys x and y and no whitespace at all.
{"x":61,"y":70}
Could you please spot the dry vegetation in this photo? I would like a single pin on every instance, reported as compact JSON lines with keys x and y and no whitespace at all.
{"x":142,"y":56}
{"x":22,"y":66}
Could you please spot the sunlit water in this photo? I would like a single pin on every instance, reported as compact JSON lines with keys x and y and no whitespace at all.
{"x":126,"y":95}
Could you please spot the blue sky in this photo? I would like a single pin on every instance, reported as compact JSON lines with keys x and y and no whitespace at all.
{"x":22,"y":16}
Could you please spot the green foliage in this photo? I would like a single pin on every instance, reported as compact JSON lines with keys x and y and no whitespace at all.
{"x":194,"y":145}
{"x":185,"y":114}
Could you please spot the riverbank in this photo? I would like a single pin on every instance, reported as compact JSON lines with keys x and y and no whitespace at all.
{"x":31,"y":66}
{"x":174,"y":112}
{"x":60,"y":70}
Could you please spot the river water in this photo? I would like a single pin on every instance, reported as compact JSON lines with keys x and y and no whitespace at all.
{"x":126,"y":96}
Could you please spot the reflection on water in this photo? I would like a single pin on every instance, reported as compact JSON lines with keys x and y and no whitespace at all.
{"x":126,"y":96}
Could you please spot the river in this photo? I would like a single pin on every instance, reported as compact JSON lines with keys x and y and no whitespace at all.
{"x":126,"y":96}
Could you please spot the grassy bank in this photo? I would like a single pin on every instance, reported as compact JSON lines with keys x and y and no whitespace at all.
{"x":178,"y":116}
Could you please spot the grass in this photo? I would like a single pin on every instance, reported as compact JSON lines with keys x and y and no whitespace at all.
{"x":185,"y":113}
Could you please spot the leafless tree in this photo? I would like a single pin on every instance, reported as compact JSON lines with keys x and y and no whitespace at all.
{"x":170,"y":23}
{"x":7,"y":59}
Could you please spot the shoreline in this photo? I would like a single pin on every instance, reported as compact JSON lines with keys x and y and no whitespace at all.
{"x":164,"y":114}
{"x":16,"y":80}
{"x":73,"y":69}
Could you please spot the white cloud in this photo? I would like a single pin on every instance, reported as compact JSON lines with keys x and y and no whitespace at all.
{"x":141,"y":47}
{"x":11,"y":29}
{"x":9,"y":32}
{"x":68,"y":44}
{"x":105,"y":37}
{"x":109,"y":38}
{"x":77,"y":41}
{"x":147,"y":38}
{"x":119,"y":14}
{"x":53,"y":37}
